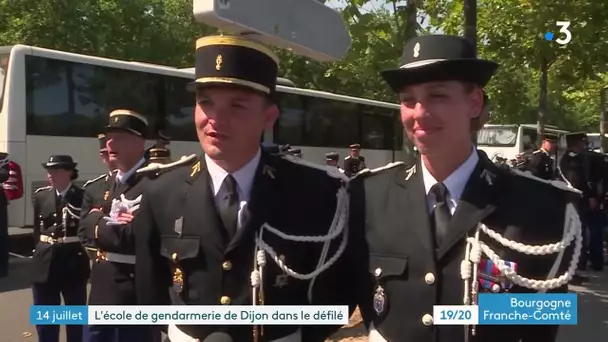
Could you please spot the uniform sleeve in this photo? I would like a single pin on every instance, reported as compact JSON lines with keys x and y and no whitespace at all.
{"x":36,"y":232}
{"x":88,"y":219}
{"x":364,"y":285}
{"x":152,"y":273}
{"x":534,"y":164}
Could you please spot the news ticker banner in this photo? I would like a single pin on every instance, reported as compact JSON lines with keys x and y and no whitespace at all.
{"x":188,"y":315}
{"x":493,"y":309}
{"x":512,"y":309}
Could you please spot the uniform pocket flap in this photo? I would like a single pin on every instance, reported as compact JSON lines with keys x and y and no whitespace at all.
{"x":179,"y":248}
{"x":382,"y":265}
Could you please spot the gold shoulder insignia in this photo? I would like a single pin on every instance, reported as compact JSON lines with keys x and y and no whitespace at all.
{"x":89,"y":182}
{"x":562,"y":185}
{"x":48,"y":188}
{"x":157,"y":168}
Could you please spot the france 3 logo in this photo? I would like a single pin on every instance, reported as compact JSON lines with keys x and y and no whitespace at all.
{"x":564,"y":35}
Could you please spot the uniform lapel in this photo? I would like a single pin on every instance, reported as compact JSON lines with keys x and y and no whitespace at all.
{"x":200,"y":215}
{"x":410,"y":195}
{"x":262,"y":202}
{"x":477,"y":202}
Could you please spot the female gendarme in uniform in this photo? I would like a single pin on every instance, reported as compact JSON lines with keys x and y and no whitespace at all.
{"x":60,"y":263}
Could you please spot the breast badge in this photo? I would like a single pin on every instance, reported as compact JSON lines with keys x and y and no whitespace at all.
{"x":379,"y":300}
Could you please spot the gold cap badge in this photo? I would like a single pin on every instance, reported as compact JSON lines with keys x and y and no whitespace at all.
{"x":218,"y":62}
{"x":416,"y":50}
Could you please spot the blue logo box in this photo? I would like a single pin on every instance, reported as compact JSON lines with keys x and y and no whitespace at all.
{"x":528,"y":309}
{"x":59,"y":314}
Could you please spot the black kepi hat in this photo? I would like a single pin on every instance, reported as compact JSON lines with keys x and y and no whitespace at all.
{"x":575,"y":137}
{"x":60,"y":162}
{"x":128,"y":121}
{"x":230,"y":60}
{"x":159,"y":153}
{"x":550,"y":137}
{"x":103,"y":139}
{"x":434,"y":58}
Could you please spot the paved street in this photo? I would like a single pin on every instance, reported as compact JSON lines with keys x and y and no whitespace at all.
{"x":15,"y":301}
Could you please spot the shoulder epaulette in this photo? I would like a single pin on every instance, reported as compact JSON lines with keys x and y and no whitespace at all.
{"x":89,"y":182}
{"x":162,"y":168}
{"x":48,"y":187}
{"x":332,"y":171}
{"x":367,"y":172}
{"x":556,"y":183}
{"x":537,"y":151}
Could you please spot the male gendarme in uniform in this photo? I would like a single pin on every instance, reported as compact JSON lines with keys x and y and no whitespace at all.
{"x":106,"y":225}
{"x":541,"y":164}
{"x":60,"y":263}
{"x":206,"y":226}
{"x":417,"y":217}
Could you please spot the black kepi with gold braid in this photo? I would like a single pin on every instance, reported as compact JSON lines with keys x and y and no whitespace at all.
{"x":128,"y":121}
{"x":229,"y":60}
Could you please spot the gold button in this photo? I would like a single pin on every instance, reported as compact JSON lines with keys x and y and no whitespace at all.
{"x":52,"y":234}
{"x":378,"y":272}
{"x":225,"y":300}
{"x":429,"y":278}
{"x":427,"y":319}
{"x":227,"y":265}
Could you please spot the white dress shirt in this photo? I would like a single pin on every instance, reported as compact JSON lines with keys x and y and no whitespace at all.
{"x":64,"y":191}
{"x":455,"y":182}
{"x":244,"y":180}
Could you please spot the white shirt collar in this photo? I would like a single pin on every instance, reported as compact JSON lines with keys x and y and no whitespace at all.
{"x":457,"y":180}
{"x":243,"y":176}
{"x":65,"y":191}
{"x":123,"y":176}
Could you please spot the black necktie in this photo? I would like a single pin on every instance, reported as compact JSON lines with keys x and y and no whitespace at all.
{"x":229,"y":205}
{"x":441,"y":214}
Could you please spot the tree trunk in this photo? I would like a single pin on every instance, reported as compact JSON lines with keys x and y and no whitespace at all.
{"x":603,"y":119}
{"x":542,"y":100}
{"x":470,"y":33}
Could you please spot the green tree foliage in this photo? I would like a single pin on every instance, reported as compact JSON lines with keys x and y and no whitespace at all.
{"x":153,"y":31}
{"x":511,"y":32}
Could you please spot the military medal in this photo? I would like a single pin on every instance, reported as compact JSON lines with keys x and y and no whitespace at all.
{"x":379,"y":300}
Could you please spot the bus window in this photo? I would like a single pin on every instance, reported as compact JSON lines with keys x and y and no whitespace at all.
{"x":290,"y":126}
{"x":179,"y":109}
{"x":529,"y":139}
{"x":377,"y":128}
{"x":331,"y":123}
{"x":594,"y":142}
{"x":497,"y":136}
{"x":74,"y":99}
{"x":3,"y":74}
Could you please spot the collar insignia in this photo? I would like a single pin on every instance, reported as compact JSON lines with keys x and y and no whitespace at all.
{"x":196,"y":168}
{"x":410,"y":172}
{"x":268,"y":171}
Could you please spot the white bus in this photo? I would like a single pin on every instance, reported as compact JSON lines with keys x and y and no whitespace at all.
{"x":507,"y":141}
{"x":56,"y":102}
